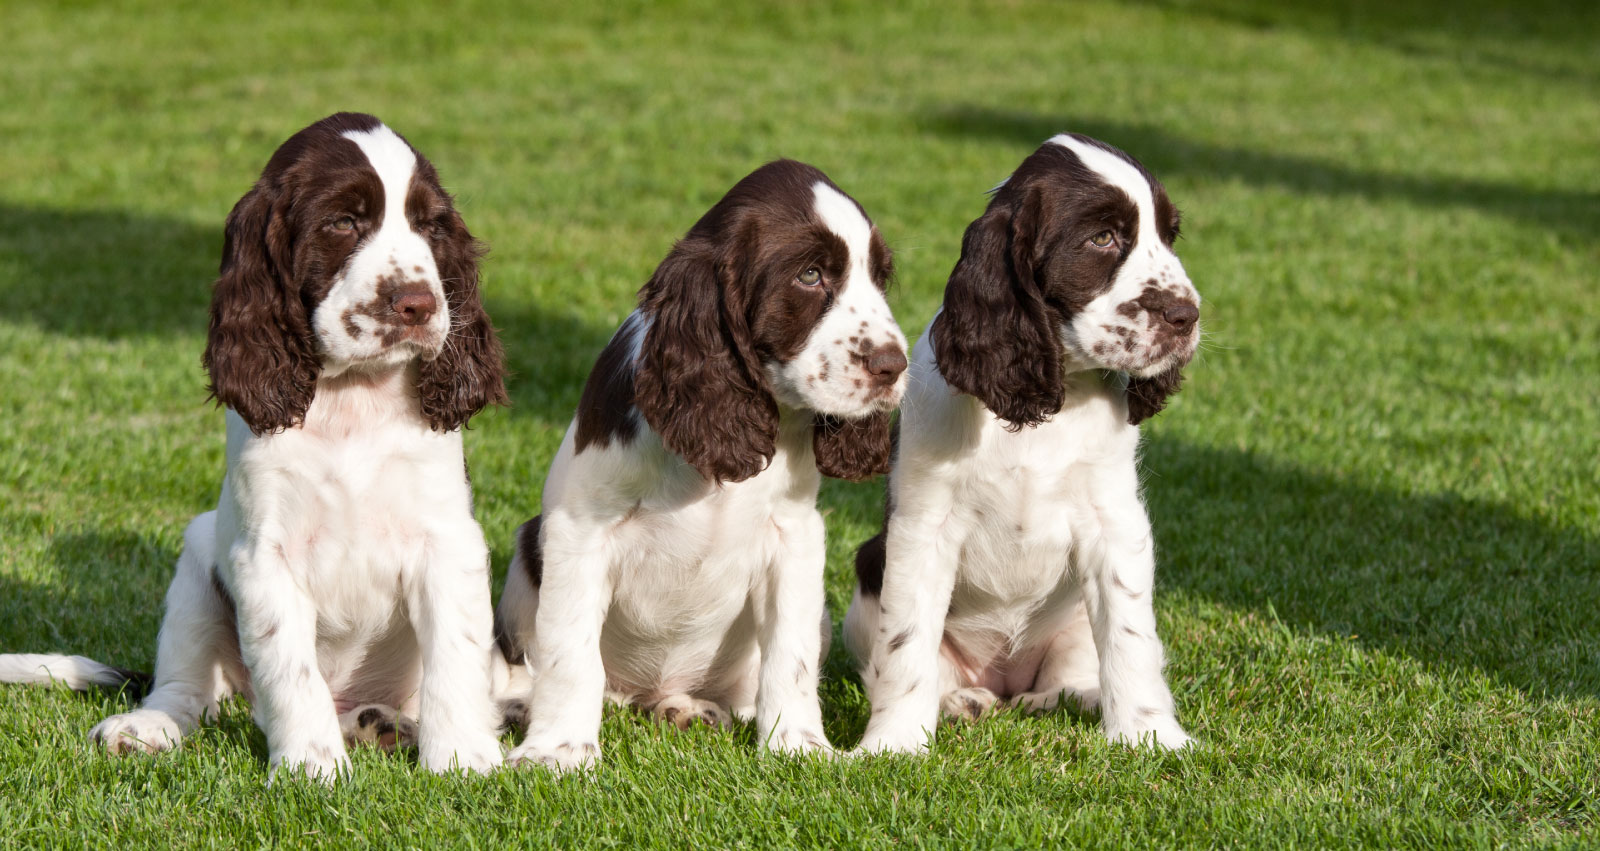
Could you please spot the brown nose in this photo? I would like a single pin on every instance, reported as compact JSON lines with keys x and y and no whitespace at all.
{"x":1181,"y":316}
{"x":886,"y":363}
{"x":414,"y":308}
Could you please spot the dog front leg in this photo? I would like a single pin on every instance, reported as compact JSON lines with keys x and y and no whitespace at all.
{"x":453,"y":619}
{"x":277,"y":623}
{"x":789,"y":606}
{"x":1119,"y":576}
{"x":921,"y":556}
{"x":569,"y":677}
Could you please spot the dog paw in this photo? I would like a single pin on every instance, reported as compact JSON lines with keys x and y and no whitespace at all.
{"x":795,"y":742}
{"x":479,"y":754}
{"x":967,"y":704}
{"x":139,"y":731}
{"x":324,"y":763}
{"x":1162,"y":731}
{"x":559,"y":758}
{"x":378,"y":726}
{"x":893,"y":741}
{"x":682,"y":711}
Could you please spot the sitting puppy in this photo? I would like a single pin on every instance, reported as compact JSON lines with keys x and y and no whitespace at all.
{"x":342,"y":574}
{"x":678,"y":561}
{"x":1017,"y":560}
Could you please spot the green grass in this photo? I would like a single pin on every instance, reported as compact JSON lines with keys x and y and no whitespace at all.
{"x":1376,"y":499}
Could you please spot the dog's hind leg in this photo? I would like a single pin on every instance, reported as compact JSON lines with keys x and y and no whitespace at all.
{"x":197,"y":655}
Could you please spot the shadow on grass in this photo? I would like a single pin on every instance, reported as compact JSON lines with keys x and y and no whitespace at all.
{"x":549,"y":356}
{"x":1449,"y":582}
{"x":1482,"y":35}
{"x":106,"y":603}
{"x":1575,"y":214}
{"x":105,"y":273}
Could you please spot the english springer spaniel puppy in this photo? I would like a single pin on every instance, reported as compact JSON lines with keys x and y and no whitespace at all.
{"x":1017,"y":561}
{"x":342,"y":574}
{"x":678,"y":561}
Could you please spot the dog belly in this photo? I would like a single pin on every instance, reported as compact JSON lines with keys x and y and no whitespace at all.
{"x":676,"y":625}
{"x":986,"y":661}
{"x":361,"y":668}
{"x":1003,"y":615}
{"x":667,"y":650}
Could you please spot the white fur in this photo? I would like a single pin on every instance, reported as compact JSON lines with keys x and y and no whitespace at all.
{"x":74,"y":672}
{"x":1021,"y":563}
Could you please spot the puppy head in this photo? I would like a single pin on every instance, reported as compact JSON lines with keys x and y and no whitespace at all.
{"x":1071,"y":267}
{"x":347,"y":254}
{"x":775,"y":297}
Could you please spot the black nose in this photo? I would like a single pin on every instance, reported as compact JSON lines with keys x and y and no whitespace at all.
{"x":414,"y":308}
{"x":1181,"y":316}
{"x":886,"y":363}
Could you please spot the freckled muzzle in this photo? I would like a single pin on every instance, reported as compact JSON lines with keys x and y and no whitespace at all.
{"x":1149,"y":334}
{"x":402,"y":310}
{"x":875,"y":368}
{"x":1172,"y":314}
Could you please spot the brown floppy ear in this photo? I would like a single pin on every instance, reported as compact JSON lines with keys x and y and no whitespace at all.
{"x":852,"y":449}
{"x":1147,"y":396}
{"x":258,"y":350}
{"x":469,"y":373}
{"x":698,"y":382}
{"x":997,"y":338}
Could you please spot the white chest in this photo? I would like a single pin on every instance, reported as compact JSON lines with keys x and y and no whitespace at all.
{"x":347,"y":518}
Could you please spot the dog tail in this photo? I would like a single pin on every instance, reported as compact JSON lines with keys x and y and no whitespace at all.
{"x":75,"y":672}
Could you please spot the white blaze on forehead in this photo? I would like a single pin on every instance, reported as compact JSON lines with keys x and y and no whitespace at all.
{"x":1119,"y":173}
{"x":344,"y":321}
{"x":844,"y":218}
{"x":394,"y":161}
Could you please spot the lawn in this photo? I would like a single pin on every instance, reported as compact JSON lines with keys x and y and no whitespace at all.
{"x":1375,"y":501}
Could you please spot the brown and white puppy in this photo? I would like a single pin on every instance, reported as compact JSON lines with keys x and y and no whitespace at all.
{"x":342,"y":574}
{"x":678,"y":561}
{"x":1017,"y":561}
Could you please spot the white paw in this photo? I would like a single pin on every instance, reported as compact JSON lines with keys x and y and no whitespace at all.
{"x":145,"y":730}
{"x":559,"y":757}
{"x":479,"y":754}
{"x":881,"y":744}
{"x":682,"y":711}
{"x":324,"y":763}
{"x":967,"y":704}
{"x":798,"y":741}
{"x":379,"y":726}
{"x":1160,"y":731}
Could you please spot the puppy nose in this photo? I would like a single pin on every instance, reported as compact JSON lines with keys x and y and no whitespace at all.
{"x":414,"y":308}
{"x":886,"y":363}
{"x":1181,"y":315}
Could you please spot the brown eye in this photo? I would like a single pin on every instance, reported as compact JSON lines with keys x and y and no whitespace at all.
{"x":810,"y":277}
{"x":343,"y":224}
{"x":1102,"y":239}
